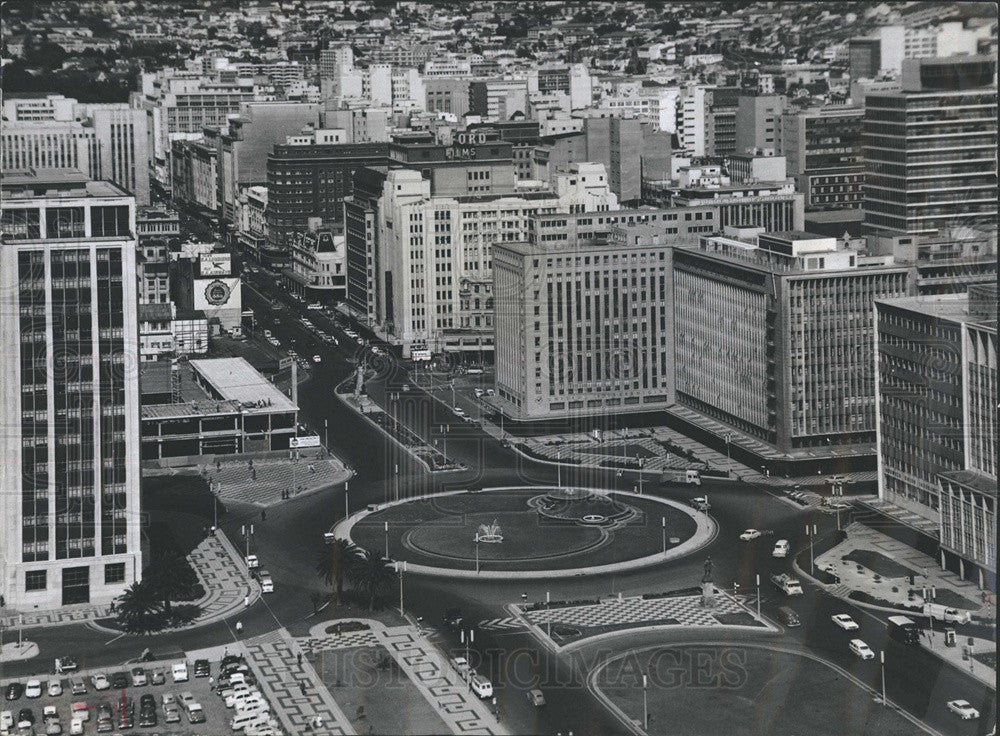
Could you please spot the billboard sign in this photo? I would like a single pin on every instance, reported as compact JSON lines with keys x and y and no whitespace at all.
{"x":300,"y":442}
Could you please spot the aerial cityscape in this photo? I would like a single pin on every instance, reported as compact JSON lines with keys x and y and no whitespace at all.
{"x":566,"y":368}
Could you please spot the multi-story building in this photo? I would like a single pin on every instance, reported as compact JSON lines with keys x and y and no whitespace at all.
{"x":822,"y":147}
{"x":720,"y":120}
{"x":943,"y":263}
{"x":774,"y":206}
{"x":616,"y":143}
{"x":758,"y":123}
{"x":679,"y":224}
{"x":105,"y":141}
{"x":583,"y":327}
{"x":498,"y":99}
{"x":884,"y":52}
{"x":251,"y":223}
{"x":361,"y":230}
{"x":930,"y":151}
{"x":937,"y":394}
{"x":773,"y":340}
{"x":435,"y":254}
{"x":522,"y":135}
{"x":318,"y":270}
{"x":69,"y":400}
{"x":194,"y":177}
{"x":446,"y":94}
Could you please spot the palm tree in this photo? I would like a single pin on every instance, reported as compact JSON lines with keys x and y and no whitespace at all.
{"x":168,"y":576}
{"x":139,"y":609}
{"x":371,"y":575}
{"x":334,"y":565}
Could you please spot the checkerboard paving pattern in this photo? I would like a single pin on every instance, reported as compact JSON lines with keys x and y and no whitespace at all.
{"x":337,"y":641}
{"x":237,"y":481}
{"x":687,"y":610}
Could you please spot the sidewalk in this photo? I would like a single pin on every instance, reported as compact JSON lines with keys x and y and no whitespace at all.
{"x":220,"y":570}
{"x":426,"y":666}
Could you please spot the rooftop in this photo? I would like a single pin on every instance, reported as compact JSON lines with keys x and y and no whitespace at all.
{"x":974,"y":479}
{"x":55,"y":183}
{"x":234,"y":379}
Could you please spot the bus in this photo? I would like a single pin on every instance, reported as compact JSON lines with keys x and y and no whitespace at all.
{"x":904,"y":630}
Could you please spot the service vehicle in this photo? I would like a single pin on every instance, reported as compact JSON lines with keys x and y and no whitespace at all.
{"x":787,"y":584}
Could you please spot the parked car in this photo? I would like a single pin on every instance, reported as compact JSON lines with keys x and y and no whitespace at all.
{"x":461,"y":665}
{"x":171,"y":713}
{"x":101,"y":681}
{"x":158,"y":677}
{"x":179,"y":672}
{"x":14,"y":691}
{"x":33,"y":689}
{"x":6,"y":720}
{"x":54,"y":688}
{"x":202,"y":668}
{"x":139,"y":677}
{"x":749,"y":535}
{"x":861,"y":649}
{"x":317,"y":359}
{"x":266,"y":583}
{"x":26,"y":714}
{"x":195,"y":713}
{"x":77,"y":686}
{"x":119,"y":681}
{"x":963,"y":709}
{"x":845,"y":622}
{"x":252,"y":562}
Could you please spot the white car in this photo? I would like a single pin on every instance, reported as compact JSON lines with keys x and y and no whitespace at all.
{"x":179,"y":672}
{"x":861,"y":649}
{"x":33,"y":689}
{"x":479,"y":392}
{"x":845,"y":622}
{"x":963,"y":709}
{"x":749,"y":534}
{"x":76,"y":727}
{"x":317,"y":359}
{"x":6,"y":720}
{"x":780,"y":548}
{"x":101,"y":681}
{"x":482,"y":687}
{"x":461,"y":665}
{"x":458,"y":411}
{"x":252,"y":562}
{"x":55,"y":688}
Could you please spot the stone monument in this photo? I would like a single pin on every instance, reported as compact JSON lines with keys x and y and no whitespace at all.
{"x":707,"y":586}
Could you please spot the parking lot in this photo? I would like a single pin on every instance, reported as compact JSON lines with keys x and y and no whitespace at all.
{"x":217,"y":715}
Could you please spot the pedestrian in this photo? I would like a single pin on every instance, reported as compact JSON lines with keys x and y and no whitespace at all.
{"x":263,"y":515}
{"x":211,"y":684}
{"x":299,"y":658}
{"x":524,"y":597}
{"x":239,"y":626}
{"x":319,"y":721}
{"x":3,"y":602}
{"x":302,"y":686}
{"x":246,"y":601}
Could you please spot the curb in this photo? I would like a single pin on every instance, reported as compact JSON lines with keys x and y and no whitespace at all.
{"x":632,"y":726}
{"x":702,"y":520}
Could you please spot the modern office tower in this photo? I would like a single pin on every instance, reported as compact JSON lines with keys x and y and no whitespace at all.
{"x":936,"y":398}
{"x":930,"y":150}
{"x":864,"y":57}
{"x":758,"y":123}
{"x":773,"y":343}
{"x":885,"y":51}
{"x":104,"y":141}
{"x":822,"y":147}
{"x":583,"y":327}
{"x":69,"y":392}
{"x":720,"y":120}
{"x":334,"y":58}
{"x":573,"y":80}
{"x":616,"y":143}
{"x":498,"y":99}
{"x":435,"y":254}
{"x":690,"y":125}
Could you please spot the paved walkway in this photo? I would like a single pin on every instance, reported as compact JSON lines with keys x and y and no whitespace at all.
{"x":426,"y":666}
{"x":219,"y":567}
{"x":263,"y":483}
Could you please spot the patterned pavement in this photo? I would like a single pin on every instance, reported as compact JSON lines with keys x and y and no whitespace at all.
{"x":427,"y":667}
{"x":263,"y":484}
{"x":687,"y":610}
{"x":219,"y":568}
{"x":296,"y":692}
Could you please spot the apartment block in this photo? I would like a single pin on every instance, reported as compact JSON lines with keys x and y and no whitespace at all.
{"x":822,"y":147}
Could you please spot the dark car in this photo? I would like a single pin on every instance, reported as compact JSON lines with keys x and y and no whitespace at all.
{"x":26,"y":714}
{"x":453,"y":618}
{"x":147,"y":701}
{"x":119,"y":681}
{"x":202,"y":668}
{"x":126,"y":716}
{"x":147,"y":711}
{"x":14,"y":691}
{"x":230,"y":659}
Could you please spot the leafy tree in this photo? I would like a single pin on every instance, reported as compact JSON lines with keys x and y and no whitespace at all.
{"x":168,"y":576}
{"x":139,"y":609}
{"x":371,"y":576}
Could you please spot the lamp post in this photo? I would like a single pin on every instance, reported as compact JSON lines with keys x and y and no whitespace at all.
{"x":663,"y":529}
{"x":727,"y":446}
{"x":548,"y":615}
{"x":346,"y":505}
{"x":811,"y":533}
{"x":641,"y":461}
{"x":400,"y":569}
{"x":882,"y":660}
{"x":758,"y":596}
{"x":387,"y":540}
{"x":477,"y":553}
{"x":213,"y":487}
{"x":645,"y":708}
{"x":467,"y":640}
{"x":395,"y":480}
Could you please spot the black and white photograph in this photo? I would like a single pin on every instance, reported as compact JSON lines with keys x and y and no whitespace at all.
{"x":543,"y":367}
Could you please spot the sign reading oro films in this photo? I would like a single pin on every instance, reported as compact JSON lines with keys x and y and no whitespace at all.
{"x":299,"y":442}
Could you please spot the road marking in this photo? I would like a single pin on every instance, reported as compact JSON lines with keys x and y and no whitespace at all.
{"x":509,"y":623}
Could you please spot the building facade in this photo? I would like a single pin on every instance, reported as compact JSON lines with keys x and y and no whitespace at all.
{"x":70,"y":396}
{"x":822,"y":148}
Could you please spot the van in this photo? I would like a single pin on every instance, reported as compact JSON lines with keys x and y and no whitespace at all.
{"x":315,"y":305}
{"x":780,"y":548}
{"x":788,"y":617}
{"x":266,"y":583}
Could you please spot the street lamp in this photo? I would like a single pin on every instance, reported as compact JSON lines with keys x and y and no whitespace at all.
{"x":548,"y":614}
{"x":882,"y":667}
{"x":400,"y":569}
{"x":477,"y":553}
{"x":663,"y":528}
{"x":811,"y":533}
{"x":467,"y":640}
{"x":645,"y":709}
{"x":758,"y":596}
{"x":346,"y":506}
{"x":387,"y":540}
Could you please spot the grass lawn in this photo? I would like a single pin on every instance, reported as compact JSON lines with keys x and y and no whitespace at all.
{"x":987,"y":658}
{"x":375,"y":695}
{"x":741,"y":690}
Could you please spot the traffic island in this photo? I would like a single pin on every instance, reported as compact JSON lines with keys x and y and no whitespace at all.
{"x":518,"y":533}
{"x":740,"y":689}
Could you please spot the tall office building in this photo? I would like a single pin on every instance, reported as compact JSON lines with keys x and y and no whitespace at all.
{"x":758,"y":123}
{"x":930,"y":150}
{"x":773,"y":341}
{"x":104,"y":141}
{"x":822,"y":148}
{"x":69,"y":392}
{"x":583,"y":327}
{"x":937,"y":428}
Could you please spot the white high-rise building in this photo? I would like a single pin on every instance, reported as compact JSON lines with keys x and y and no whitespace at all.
{"x":69,"y":391}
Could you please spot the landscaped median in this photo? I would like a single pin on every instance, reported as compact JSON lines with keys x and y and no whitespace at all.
{"x":561,"y":625}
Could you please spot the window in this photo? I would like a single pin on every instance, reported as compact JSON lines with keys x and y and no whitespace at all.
{"x":64,"y":222}
{"x":114,"y":573}
{"x":21,"y":224}
{"x":35,"y":580}
{"x":109,"y":221}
